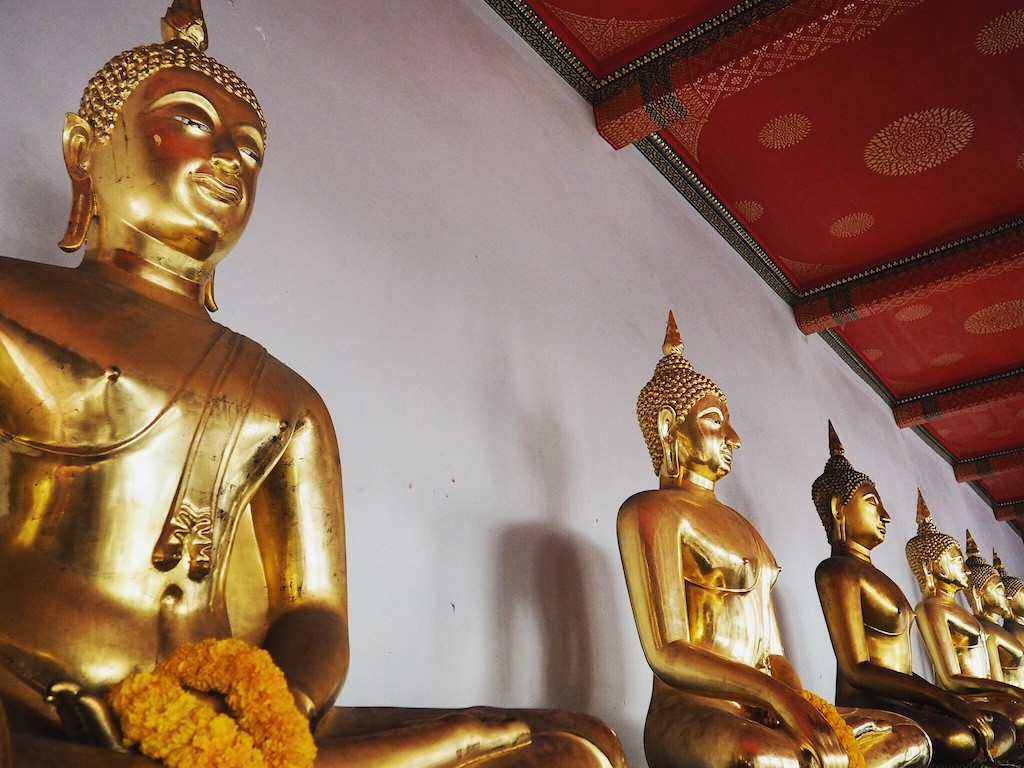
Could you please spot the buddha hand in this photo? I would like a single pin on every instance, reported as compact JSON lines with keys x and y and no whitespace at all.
{"x":86,"y":717}
{"x":815,"y":737}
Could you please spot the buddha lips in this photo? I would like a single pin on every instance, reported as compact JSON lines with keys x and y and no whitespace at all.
{"x":171,"y":725}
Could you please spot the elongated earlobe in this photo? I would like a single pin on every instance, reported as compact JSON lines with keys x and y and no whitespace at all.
{"x":77,"y":141}
{"x":208,"y":301}
{"x":838,"y":523}
{"x":670,"y":464}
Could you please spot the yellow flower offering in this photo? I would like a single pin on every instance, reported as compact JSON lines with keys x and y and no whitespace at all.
{"x":170,"y":724}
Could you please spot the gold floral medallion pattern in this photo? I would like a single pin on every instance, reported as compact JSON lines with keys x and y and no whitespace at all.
{"x":913,"y":312}
{"x":605,"y":37}
{"x":919,"y":141}
{"x":1020,"y":162}
{"x":949,"y":358}
{"x":997,"y":318}
{"x":852,"y":225}
{"x":784,"y":131}
{"x":751,"y":210}
{"x":873,"y":354}
{"x":1002,"y":34}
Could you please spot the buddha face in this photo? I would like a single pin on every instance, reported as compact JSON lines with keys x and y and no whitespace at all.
{"x":180,"y":165}
{"x":1016,"y":604}
{"x":993,"y":598}
{"x":949,"y":567}
{"x":864,"y":517}
{"x":707,"y":439}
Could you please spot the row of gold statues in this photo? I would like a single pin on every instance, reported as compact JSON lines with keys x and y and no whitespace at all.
{"x":136,"y":434}
{"x":700,"y":579}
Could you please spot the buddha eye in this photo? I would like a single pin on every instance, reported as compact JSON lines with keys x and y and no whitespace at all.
{"x":253,"y":155}
{"x":191,"y":123}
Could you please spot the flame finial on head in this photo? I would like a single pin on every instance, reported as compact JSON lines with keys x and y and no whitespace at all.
{"x":184,"y":21}
{"x":673,"y":344}
{"x":835,"y":446}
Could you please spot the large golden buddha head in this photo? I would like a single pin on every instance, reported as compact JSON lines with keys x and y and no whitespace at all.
{"x":683,"y":416}
{"x":985,"y":588}
{"x":934,"y":555}
{"x":165,"y":149}
{"x":847,"y":502}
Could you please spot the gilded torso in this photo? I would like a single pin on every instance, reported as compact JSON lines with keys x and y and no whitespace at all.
{"x":132,"y":436}
{"x":724,"y":568}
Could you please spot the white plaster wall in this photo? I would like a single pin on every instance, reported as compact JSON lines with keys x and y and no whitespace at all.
{"x":477,"y":284}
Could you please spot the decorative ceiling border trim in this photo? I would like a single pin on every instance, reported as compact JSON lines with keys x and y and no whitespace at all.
{"x":936,"y":252}
{"x":689,"y":185}
{"x":539,"y":36}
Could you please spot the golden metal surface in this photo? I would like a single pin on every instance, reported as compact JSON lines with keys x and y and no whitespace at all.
{"x":139,"y":440}
{"x":869,"y":620}
{"x":986,"y":596}
{"x":700,"y":581}
{"x":953,"y":636}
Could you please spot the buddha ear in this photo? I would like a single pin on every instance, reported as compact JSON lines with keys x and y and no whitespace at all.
{"x":839,"y":521}
{"x":78,"y":142}
{"x":667,"y":437}
{"x":929,"y":578}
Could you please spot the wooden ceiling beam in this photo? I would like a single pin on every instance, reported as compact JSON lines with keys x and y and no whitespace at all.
{"x":687,"y":90}
{"x":891,"y":288}
{"x":1013,"y":510}
{"x":986,"y":466}
{"x":974,"y":396}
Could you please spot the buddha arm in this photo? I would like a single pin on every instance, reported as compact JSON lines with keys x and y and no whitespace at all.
{"x":299,"y":523}
{"x":651,"y":561}
{"x":839,"y":593}
{"x":933,"y":620}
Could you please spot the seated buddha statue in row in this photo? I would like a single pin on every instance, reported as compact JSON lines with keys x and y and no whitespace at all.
{"x":869,"y":621}
{"x":986,"y":596}
{"x":1013,"y":588}
{"x":952,"y":635}
{"x":700,"y":580}
{"x":136,"y":432}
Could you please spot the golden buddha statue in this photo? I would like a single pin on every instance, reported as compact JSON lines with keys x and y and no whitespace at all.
{"x":700,"y":581}
{"x":987,"y":597}
{"x":136,"y":432}
{"x":1014,"y":589}
{"x":953,"y":637}
{"x":869,"y":620}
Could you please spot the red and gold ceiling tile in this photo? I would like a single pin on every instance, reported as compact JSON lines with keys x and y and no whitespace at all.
{"x":1005,"y":487}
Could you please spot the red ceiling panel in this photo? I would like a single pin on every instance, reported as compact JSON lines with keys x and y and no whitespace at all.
{"x":970,"y":332}
{"x":996,"y":428}
{"x":608,"y":34}
{"x":866,"y":157}
{"x":1005,"y":487}
{"x":872,"y":149}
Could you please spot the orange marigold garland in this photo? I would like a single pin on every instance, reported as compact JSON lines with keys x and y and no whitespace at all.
{"x":170,"y":724}
{"x":840,"y":726}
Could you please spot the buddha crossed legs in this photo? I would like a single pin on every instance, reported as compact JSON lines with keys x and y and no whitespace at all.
{"x":135,"y":432}
{"x":700,"y":581}
{"x":869,"y":620}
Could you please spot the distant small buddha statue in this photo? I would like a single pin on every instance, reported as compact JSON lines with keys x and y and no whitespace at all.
{"x":987,"y":597}
{"x":869,"y":620}
{"x":953,"y":636}
{"x":1014,"y":590}
{"x":700,"y":581}
{"x":135,"y":433}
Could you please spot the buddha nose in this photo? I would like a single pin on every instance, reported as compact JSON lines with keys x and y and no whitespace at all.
{"x":228,"y":162}
{"x":731,"y":436}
